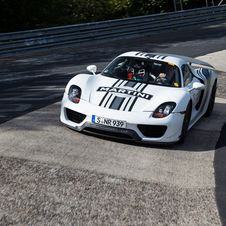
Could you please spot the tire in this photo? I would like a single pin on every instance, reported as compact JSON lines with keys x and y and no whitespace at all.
{"x":211,"y":101}
{"x":186,"y":122}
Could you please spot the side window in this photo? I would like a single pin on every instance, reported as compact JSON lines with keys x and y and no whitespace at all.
{"x":187,"y":75}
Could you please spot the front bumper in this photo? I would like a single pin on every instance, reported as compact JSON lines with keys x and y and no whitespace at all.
{"x":141,"y":126}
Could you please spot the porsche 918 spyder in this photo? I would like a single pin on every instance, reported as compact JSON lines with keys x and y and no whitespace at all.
{"x":149,"y":97}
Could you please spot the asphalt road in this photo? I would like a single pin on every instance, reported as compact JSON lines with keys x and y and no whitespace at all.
{"x":32,"y":87}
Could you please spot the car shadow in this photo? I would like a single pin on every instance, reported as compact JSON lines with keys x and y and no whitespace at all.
{"x":220,"y":175}
{"x":188,"y":145}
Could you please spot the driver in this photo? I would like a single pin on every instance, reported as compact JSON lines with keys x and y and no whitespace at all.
{"x":168,"y":76}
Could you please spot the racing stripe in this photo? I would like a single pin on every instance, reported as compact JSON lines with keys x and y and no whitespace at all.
{"x":121,"y":83}
{"x":108,"y":100}
{"x":164,"y":57}
{"x":138,"y":53}
{"x":150,"y":55}
{"x":116,"y":103}
{"x":201,"y":74}
{"x":118,"y":81}
{"x":132,"y":100}
{"x":127,"y":103}
{"x":135,"y":99}
{"x":144,"y":87}
{"x":139,"y":85}
{"x":130,"y":84}
{"x":131,"y":106}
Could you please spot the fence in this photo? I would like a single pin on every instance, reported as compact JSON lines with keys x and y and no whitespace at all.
{"x":66,"y":36}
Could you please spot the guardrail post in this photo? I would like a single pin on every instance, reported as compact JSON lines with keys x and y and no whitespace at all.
{"x":178,"y":2}
{"x":220,"y":2}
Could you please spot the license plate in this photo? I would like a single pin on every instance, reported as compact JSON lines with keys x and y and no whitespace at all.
{"x":108,"y":122}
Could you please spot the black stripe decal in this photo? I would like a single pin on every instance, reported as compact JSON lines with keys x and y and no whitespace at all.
{"x":135,"y":100}
{"x":103,"y":99}
{"x":139,"y":86}
{"x":130,"y":84}
{"x":131,"y":106}
{"x":200,"y":74}
{"x":150,"y":55}
{"x":141,"y":54}
{"x":143,"y":88}
{"x":126,"y":104}
{"x":116,"y":103}
{"x":130,"y":97}
{"x":108,"y":100}
{"x":101,"y":102}
{"x":121,"y":83}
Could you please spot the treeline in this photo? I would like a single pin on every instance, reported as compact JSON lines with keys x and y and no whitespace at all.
{"x":17,"y":15}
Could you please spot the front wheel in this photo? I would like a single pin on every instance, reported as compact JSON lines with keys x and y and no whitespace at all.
{"x":185,"y":125}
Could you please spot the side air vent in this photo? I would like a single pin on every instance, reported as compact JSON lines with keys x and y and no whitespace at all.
{"x":152,"y":130}
{"x":75,"y":116}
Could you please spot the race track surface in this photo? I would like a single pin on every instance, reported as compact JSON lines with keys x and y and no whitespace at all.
{"x":53,"y":175}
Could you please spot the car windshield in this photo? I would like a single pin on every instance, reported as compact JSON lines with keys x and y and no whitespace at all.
{"x":144,"y":70}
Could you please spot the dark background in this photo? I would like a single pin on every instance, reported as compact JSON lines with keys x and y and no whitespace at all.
{"x":26,"y":14}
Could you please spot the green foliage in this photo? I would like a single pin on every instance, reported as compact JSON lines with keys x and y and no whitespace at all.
{"x":17,"y":15}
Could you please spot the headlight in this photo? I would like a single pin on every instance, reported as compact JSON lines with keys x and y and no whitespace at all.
{"x":74,"y":94}
{"x":164,"y":110}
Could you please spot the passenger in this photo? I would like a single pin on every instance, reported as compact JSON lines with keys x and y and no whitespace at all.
{"x":168,"y":77}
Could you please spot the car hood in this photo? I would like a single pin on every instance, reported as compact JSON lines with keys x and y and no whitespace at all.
{"x":125,"y":95}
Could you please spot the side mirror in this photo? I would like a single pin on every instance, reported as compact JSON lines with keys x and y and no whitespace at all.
{"x":92,"y":68}
{"x":197,"y":86}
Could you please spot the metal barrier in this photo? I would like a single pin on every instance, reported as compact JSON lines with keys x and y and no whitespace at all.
{"x":80,"y":34}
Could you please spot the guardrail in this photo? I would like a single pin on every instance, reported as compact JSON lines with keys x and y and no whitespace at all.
{"x":80,"y":34}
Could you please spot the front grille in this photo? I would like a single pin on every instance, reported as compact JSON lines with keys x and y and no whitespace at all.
{"x":152,"y":130}
{"x":75,"y":116}
{"x":108,"y":133}
{"x":113,"y":132}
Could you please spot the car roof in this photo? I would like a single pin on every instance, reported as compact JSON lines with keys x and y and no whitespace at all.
{"x":169,"y":58}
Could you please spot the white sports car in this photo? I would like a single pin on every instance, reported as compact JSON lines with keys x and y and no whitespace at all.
{"x":149,"y":97}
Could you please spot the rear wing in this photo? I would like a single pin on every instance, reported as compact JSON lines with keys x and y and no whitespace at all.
{"x":187,"y":59}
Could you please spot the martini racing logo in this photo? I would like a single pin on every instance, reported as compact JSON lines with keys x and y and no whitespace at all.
{"x":131,"y":92}
{"x":125,"y":91}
